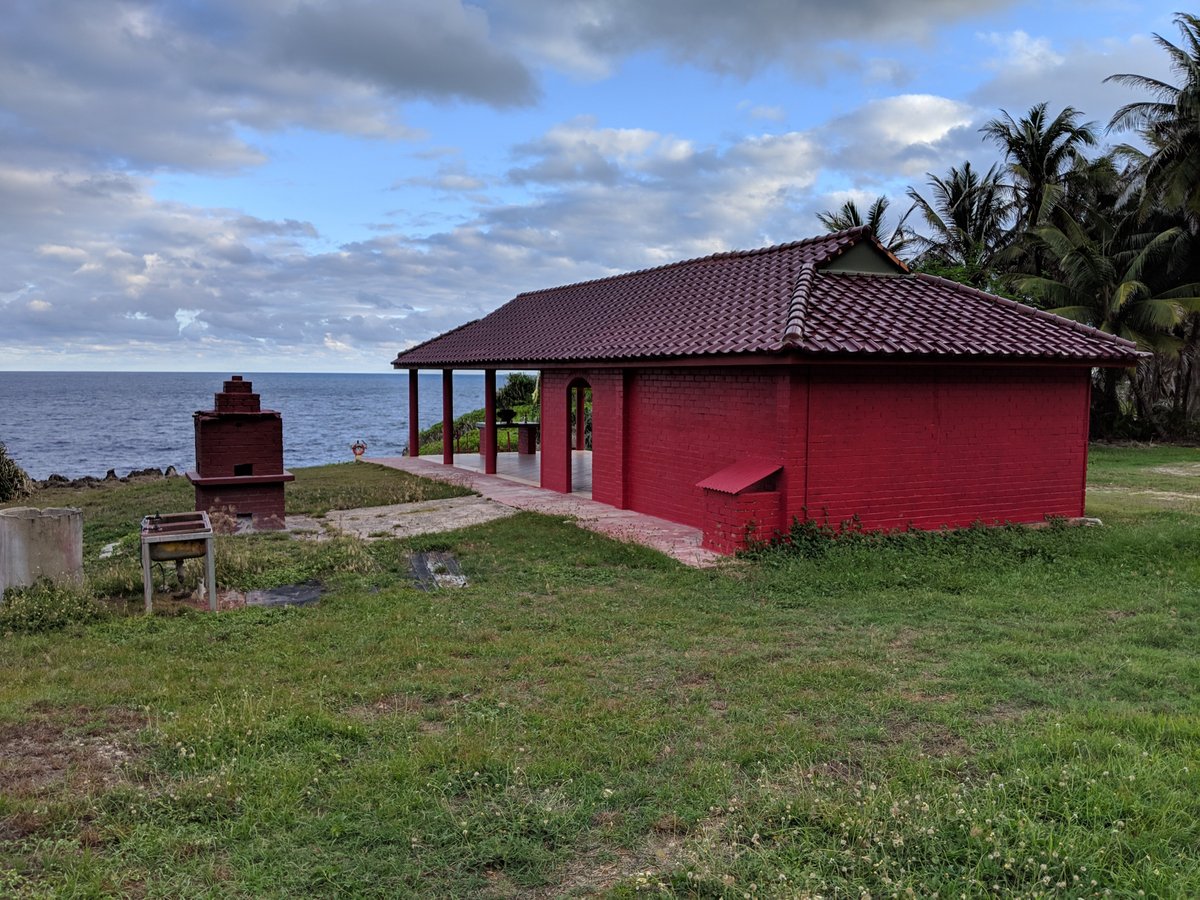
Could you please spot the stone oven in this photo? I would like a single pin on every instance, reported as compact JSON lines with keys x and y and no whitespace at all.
{"x":239,"y":458}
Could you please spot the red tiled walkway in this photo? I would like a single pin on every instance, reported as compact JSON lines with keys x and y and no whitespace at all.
{"x":680,"y":542}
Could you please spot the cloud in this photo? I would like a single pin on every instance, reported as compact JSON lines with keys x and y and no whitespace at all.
{"x":1023,"y":53}
{"x":122,"y":84}
{"x":887,"y":71}
{"x":577,"y":151}
{"x":1067,"y":76}
{"x":768,"y":113}
{"x":99,"y":98}
{"x":129,"y":274}
{"x":905,"y":135}
{"x":428,"y":48}
{"x":591,"y":36}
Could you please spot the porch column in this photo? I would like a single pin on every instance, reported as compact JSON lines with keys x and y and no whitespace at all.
{"x":488,"y":438}
{"x":414,"y":425}
{"x":580,"y":429}
{"x":448,"y":417}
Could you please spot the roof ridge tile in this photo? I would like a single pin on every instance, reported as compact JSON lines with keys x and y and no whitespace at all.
{"x":793,"y":333}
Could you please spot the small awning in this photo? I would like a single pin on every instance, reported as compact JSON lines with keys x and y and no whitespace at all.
{"x":738,"y":477}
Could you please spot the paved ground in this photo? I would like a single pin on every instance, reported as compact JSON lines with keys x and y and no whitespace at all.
{"x":402,"y":519}
{"x":678,"y":541}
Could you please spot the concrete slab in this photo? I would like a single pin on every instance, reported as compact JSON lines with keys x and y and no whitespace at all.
{"x":680,"y":542}
{"x":401,"y":519}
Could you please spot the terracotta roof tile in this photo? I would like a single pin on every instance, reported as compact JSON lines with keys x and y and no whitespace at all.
{"x":772,"y":300}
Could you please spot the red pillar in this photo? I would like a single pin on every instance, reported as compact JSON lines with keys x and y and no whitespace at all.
{"x":489,"y":422}
{"x":556,"y":432}
{"x":580,"y":413}
{"x":448,"y":416}
{"x":414,"y":425}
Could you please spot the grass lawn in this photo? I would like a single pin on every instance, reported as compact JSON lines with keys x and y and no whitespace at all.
{"x":1007,"y":712}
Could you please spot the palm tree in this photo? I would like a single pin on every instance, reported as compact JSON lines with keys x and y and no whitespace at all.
{"x":849,"y":217}
{"x":1170,"y":172}
{"x":1116,"y":277}
{"x":1170,"y":123}
{"x":968,"y":220}
{"x":1041,"y":156}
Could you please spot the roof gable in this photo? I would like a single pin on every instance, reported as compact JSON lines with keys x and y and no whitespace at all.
{"x":793,"y":298}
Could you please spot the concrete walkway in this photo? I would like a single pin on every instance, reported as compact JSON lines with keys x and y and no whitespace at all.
{"x":680,"y":542}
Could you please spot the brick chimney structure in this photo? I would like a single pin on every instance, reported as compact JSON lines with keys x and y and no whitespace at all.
{"x":239,"y":458}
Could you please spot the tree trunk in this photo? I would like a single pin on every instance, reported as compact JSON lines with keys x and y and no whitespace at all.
{"x":1107,"y":405}
{"x":1185,"y":367}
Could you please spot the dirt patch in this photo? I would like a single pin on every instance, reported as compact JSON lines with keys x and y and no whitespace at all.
{"x":934,"y":738}
{"x":598,"y":872}
{"x":431,"y":715}
{"x":904,"y":640}
{"x":1116,"y":615}
{"x":844,"y":771}
{"x":43,"y":756}
{"x":1187,"y":470}
{"x":924,"y":697}
{"x":1146,"y":492}
{"x":1004,"y":712}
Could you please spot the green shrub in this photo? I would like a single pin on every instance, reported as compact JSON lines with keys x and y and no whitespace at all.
{"x":46,"y":606}
{"x":517,"y":391}
{"x":14,"y":481}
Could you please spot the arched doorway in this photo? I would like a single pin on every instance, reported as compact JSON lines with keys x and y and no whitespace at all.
{"x":579,"y":436}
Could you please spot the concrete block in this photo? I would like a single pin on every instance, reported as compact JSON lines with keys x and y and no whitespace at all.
{"x":40,"y":543}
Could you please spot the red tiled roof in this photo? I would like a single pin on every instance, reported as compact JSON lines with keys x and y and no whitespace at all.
{"x":774,"y":300}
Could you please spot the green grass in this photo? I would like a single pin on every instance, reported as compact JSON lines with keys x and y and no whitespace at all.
{"x":1125,"y":481}
{"x":1005,"y":712}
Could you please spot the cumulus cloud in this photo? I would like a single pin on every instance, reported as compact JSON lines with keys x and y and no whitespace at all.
{"x":143,"y":84}
{"x":591,"y":36}
{"x":1036,"y":71}
{"x":906,"y":135}
{"x":1023,"y":53}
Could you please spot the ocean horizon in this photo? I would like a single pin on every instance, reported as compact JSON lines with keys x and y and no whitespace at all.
{"x":84,"y":423}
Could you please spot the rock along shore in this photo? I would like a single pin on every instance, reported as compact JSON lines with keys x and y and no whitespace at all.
{"x":110,"y":476}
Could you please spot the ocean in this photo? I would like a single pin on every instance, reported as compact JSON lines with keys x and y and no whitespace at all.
{"x":85,"y":423}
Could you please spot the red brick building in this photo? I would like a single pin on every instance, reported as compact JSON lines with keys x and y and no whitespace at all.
{"x":817,"y":379}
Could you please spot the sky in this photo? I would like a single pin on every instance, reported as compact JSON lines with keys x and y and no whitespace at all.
{"x":315,"y":185}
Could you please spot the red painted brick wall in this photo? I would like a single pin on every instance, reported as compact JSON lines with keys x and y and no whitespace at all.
{"x":894,"y":445}
{"x":556,"y":476}
{"x":732,"y":521}
{"x":607,"y":431}
{"x":946,"y":446}
{"x":685,"y":424}
{"x":226,"y":440}
{"x":264,"y":502}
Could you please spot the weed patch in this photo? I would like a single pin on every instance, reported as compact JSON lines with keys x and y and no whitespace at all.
{"x":45,"y":606}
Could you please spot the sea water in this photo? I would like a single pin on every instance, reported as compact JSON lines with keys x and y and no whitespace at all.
{"x":85,"y":423}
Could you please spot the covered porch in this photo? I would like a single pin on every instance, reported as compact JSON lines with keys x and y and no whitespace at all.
{"x":568,"y":446}
{"x":526,"y":468}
